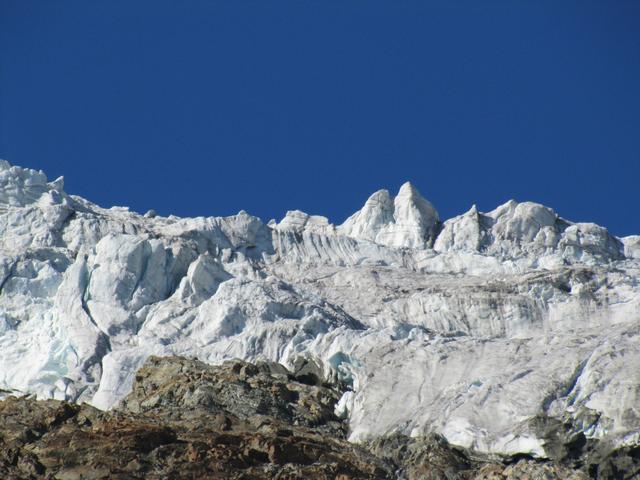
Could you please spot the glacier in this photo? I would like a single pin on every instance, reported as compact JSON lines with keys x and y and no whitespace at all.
{"x":474,"y":327}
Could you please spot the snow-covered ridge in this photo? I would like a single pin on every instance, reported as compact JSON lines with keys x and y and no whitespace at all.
{"x":470,"y":327}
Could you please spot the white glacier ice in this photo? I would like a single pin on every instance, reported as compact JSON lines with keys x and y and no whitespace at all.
{"x":470,"y":327}
{"x":408,"y":220}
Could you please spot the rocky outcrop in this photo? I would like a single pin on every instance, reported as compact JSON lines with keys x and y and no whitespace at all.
{"x":184,"y":390}
{"x":185,"y":419}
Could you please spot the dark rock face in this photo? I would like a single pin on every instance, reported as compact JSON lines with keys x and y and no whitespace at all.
{"x":425,"y":458}
{"x":186,"y":420}
{"x":569,"y":447}
{"x":184,"y":390}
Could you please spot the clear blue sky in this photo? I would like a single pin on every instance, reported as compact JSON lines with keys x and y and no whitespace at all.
{"x":208,"y":107}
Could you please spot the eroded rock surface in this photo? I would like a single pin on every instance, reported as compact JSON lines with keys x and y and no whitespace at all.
{"x":185,"y":419}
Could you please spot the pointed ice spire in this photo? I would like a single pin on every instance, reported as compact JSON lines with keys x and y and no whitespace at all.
{"x":461,"y":233}
{"x":374,"y":215}
{"x":411,"y":208}
{"x":408,"y":220}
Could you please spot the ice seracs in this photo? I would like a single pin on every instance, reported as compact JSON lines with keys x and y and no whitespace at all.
{"x":23,"y":186}
{"x":472,"y":328}
{"x":300,"y":222}
{"x":527,"y":229}
{"x":408,"y":220}
{"x":631,"y":246}
{"x":463,"y":233}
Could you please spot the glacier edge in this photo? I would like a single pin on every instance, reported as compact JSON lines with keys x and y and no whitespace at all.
{"x":472,"y":327}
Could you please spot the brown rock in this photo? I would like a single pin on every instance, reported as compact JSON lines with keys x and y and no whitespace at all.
{"x":185,"y":419}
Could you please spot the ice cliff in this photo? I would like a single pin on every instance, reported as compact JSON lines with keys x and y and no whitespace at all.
{"x":475,"y":327}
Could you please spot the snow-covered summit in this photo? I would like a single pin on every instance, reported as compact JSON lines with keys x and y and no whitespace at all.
{"x":471,"y":328}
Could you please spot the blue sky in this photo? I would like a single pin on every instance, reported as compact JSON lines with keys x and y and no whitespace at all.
{"x":210,"y":107}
